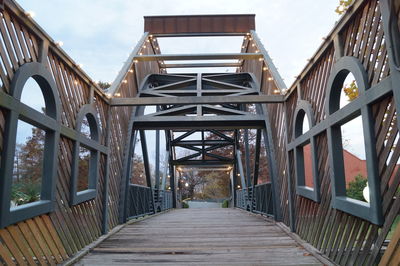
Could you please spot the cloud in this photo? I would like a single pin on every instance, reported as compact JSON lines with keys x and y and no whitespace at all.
{"x":99,"y":34}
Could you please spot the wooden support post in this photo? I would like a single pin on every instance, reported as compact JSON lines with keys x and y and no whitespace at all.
{"x":43,"y":51}
{"x":338,"y":45}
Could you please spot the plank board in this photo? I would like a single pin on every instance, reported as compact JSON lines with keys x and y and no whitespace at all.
{"x":200,"y":236}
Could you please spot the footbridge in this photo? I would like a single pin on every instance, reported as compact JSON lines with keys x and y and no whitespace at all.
{"x":83,"y":181}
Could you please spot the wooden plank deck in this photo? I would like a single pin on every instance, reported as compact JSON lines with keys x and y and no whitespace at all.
{"x":200,"y":237}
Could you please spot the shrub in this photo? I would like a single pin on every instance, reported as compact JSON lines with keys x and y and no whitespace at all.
{"x":225,"y":204}
{"x":356,"y":188}
{"x":185,"y":205}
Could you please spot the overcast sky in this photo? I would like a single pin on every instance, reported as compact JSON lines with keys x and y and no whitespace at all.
{"x":100,"y":34}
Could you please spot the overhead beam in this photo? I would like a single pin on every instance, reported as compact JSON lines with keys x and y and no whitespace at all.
{"x":183,"y":57}
{"x":203,"y":163}
{"x":218,"y":34}
{"x":196,"y":100}
{"x":225,"y":122}
{"x":200,"y":65}
{"x":208,"y":25}
{"x":206,"y":142}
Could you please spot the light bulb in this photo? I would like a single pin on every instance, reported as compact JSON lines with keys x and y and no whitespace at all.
{"x":59,"y":43}
{"x":30,"y":14}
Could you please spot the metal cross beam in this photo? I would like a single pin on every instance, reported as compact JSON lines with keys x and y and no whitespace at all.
{"x":197,"y":65}
{"x":191,"y":57}
{"x":197,"y":100}
{"x":223,"y":122}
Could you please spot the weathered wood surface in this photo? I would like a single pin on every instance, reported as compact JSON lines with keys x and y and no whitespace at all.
{"x":201,"y":236}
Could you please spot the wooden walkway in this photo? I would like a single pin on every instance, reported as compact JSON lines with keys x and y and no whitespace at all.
{"x":200,"y":237}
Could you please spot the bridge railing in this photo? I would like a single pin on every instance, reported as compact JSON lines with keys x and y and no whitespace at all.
{"x":262,"y":199}
{"x":241,"y":198}
{"x":166,"y":199}
{"x":140,"y":201}
{"x":257,"y":200}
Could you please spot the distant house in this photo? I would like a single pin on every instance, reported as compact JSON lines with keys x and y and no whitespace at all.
{"x":353,"y":166}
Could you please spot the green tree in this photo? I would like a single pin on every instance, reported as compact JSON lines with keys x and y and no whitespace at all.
{"x":343,"y":6}
{"x":83,"y":169}
{"x":28,"y":167}
{"x":356,"y":187}
{"x":351,"y":91}
{"x":138,"y":174}
{"x":190,"y":182}
{"x":217,"y":185}
{"x":104,"y":85}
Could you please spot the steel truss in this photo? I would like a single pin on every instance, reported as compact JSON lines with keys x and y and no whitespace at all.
{"x":202,"y":115}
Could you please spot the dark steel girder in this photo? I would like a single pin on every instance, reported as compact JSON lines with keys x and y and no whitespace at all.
{"x":228,"y":122}
{"x":197,"y":100}
{"x":178,"y":57}
{"x":199,"y":163}
{"x":201,"y":142}
{"x":197,"y":65}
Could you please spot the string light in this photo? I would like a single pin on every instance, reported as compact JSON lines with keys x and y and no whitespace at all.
{"x":277,"y":91}
{"x":270,"y":78}
{"x":260,"y":59}
{"x":117,"y":94}
{"x":265,"y":68}
{"x":59,"y":43}
{"x":135,"y":61}
{"x":125,"y":81}
{"x":80,"y":65}
{"x":253,"y":44}
{"x":30,"y":14}
{"x":130,"y":70}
